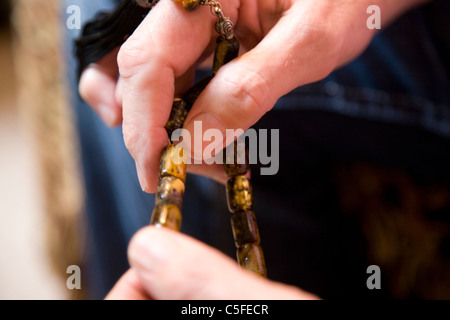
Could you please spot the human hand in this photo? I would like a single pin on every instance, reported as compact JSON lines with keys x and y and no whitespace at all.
{"x":167,"y":265}
{"x":285,"y":44}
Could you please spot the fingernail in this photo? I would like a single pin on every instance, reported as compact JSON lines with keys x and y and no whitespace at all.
{"x":141,"y":177}
{"x":196,"y":128}
{"x":206,"y":120}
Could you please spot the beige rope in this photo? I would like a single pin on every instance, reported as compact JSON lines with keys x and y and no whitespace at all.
{"x":43,"y":102}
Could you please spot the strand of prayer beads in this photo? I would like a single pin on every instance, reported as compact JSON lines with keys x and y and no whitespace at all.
{"x":173,"y":168}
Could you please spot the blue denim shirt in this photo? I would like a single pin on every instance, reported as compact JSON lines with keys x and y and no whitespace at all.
{"x":389,"y":106}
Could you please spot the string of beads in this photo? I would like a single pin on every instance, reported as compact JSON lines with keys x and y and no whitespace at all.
{"x":173,"y":168}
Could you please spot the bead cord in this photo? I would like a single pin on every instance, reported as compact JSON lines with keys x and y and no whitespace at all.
{"x":172,"y":174}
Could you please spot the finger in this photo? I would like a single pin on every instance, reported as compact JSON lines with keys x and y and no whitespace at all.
{"x":183,"y":83}
{"x":167,"y":43}
{"x":98,"y":88}
{"x":118,"y":95}
{"x":291,"y":54}
{"x":129,"y":287}
{"x":174,"y":266}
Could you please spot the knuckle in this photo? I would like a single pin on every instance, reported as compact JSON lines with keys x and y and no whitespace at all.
{"x":130,"y":56}
{"x":327,"y":40}
{"x":249,"y":89}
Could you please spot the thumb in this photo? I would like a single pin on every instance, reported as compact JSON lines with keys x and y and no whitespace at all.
{"x":293,"y":53}
{"x":237,"y":97}
{"x":173,"y":266}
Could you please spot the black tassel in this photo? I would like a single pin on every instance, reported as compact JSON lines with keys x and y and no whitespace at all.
{"x":107,"y":31}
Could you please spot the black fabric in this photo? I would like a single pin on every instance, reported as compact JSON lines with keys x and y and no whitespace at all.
{"x":107,"y":31}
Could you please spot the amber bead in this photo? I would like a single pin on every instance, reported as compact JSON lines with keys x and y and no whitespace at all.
{"x":173,"y":162}
{"x":189,"y":4}
{"x":230,"y":161}
{"x":245,"y":228}
{"x":226,"y":50}
{"x":177,"y":116}
{"x":239,"y":194}
{"x":170,"y":191}
{"x":251,"y":257}
{"x":168,"y":215}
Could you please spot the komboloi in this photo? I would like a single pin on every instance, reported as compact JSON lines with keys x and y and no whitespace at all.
{"x":172,"y":174}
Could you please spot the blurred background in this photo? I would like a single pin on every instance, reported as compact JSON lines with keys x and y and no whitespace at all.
{"x":40,"y":197}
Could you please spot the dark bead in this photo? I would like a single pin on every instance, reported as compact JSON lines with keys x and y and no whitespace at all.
{"x":194,"y":92}
{"x":170,"y":191}
{"x":177,"y":116}
{"x":146,"y":3}
{"x":233,"y":170}
{"x":168,"y":215}
{"x":173,"y":162}
{"x":232,"y":161}
{"x":245,"y":228}
{"x":226,"y":50}
{"x":239,"y":194}
{"x":251,"y":258}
